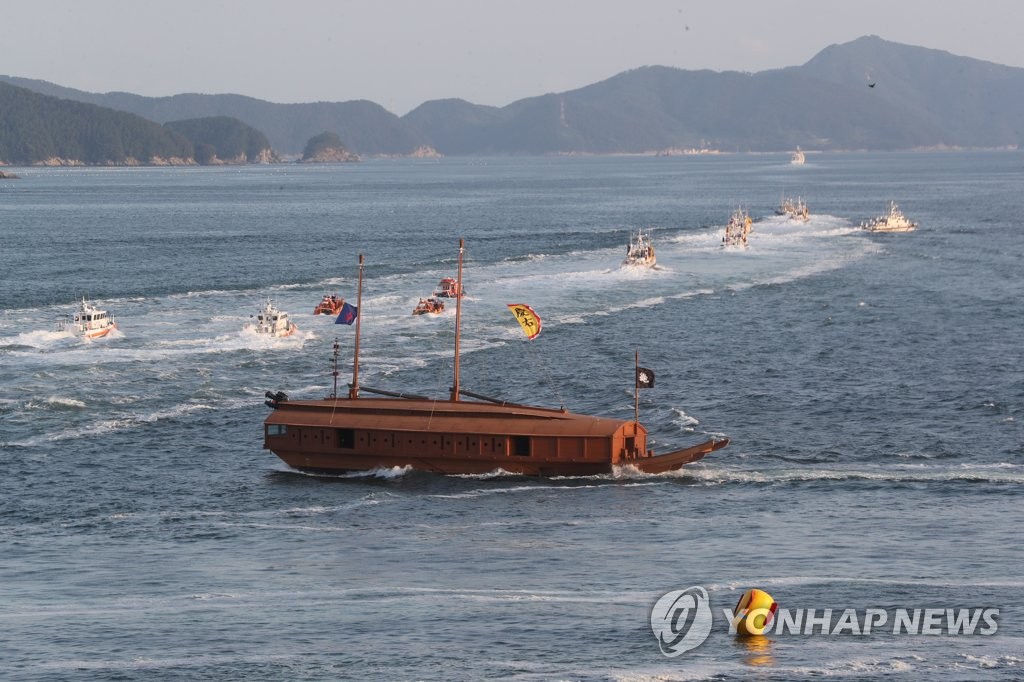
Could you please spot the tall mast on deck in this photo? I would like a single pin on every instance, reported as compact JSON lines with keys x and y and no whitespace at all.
{"x":353,"y":391}
{"x":636,"y":389}
{"x":458,"y":323}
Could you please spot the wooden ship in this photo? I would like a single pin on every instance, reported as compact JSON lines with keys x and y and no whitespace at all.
{"x":455,"y":436}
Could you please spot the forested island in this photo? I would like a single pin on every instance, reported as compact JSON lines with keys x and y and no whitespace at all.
{"x":327,"y":147}
{"x":36,"y":129}
{"x":223,"y":139}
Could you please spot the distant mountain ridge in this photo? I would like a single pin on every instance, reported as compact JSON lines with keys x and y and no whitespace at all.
{"x":922,"y":98}
{"x":365,"y":127}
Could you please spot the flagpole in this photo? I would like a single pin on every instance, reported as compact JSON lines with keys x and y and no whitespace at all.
{"x":636,"y":389}
{"x":353,"y":392}
{"x":458,"y":327}
{"x":334,"y":368}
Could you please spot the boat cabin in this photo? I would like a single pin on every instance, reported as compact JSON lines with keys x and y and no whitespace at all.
{"x":449,"y":287}
{"x":448,"y":437}
{"x":91,"y":318}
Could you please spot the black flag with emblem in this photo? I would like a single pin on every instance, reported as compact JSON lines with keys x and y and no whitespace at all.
{"x":644,"y":378}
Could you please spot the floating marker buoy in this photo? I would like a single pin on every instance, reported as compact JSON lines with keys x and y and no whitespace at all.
{"x":754,"y":613}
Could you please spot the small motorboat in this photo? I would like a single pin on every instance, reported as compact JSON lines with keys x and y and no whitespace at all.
{"x":449,"y":288}
{"x":894,"y":221}
{"x":330,"y":305}
{"x":428,"y":306}
{"x":737,"y":229}
{"x":640,"y":251}
{"x":273,"y":322}
{"x":795,"y":209}
{"x":88,"y":322}
{"x":786,"y":207}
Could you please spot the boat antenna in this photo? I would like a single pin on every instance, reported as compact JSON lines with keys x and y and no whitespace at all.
{"x":353,"y":391}
{"x":636,"y":389}
{"x":458,"y":322}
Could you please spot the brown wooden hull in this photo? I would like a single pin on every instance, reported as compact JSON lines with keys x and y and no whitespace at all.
{"x":671,"y":461}
{"x":333,"y":464}
{"x":347,"y":463}
{"x":448,"y":437}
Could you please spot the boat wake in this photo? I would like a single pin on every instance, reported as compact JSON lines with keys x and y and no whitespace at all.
{"x":1000,"y":473}
{"x":117,"y":421}
{"x":254,"y":340}
{"x":804,"y":580}
{"x":54,"y":403}
{"x":385,"y":473}
{"x":379,"y":473}
{"x":205,"y":329}
{"x":37,"y":339}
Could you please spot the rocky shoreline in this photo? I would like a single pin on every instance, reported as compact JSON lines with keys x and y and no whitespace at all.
{"x":332,"y":155}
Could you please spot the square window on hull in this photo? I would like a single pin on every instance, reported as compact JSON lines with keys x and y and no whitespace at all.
{"x":521,"y":446}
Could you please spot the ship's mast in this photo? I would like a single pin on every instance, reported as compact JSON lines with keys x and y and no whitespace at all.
{"x":353,"y":391}
{"x":458,"y":323}
{"x":636,"y":389}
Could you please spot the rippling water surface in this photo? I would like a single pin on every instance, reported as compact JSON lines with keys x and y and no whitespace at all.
{"x":871,"y":386}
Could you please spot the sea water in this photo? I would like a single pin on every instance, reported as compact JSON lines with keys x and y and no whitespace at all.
{"x":871,"y":386}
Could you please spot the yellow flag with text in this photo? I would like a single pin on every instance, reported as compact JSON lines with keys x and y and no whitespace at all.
{"x":527,"y":318}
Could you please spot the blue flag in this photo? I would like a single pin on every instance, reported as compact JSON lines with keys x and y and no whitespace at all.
{"x":347,"y":315}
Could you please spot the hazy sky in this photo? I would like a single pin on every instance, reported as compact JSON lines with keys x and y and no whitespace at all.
{"x":401,"y":53}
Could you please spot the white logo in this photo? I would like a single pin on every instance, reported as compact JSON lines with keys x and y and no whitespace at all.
{"x":681,"y":620}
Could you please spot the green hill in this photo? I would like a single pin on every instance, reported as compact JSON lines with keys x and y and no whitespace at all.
{"x":224,"y":139}
{"x":327,"y":147}
{"x":35,"y":128}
